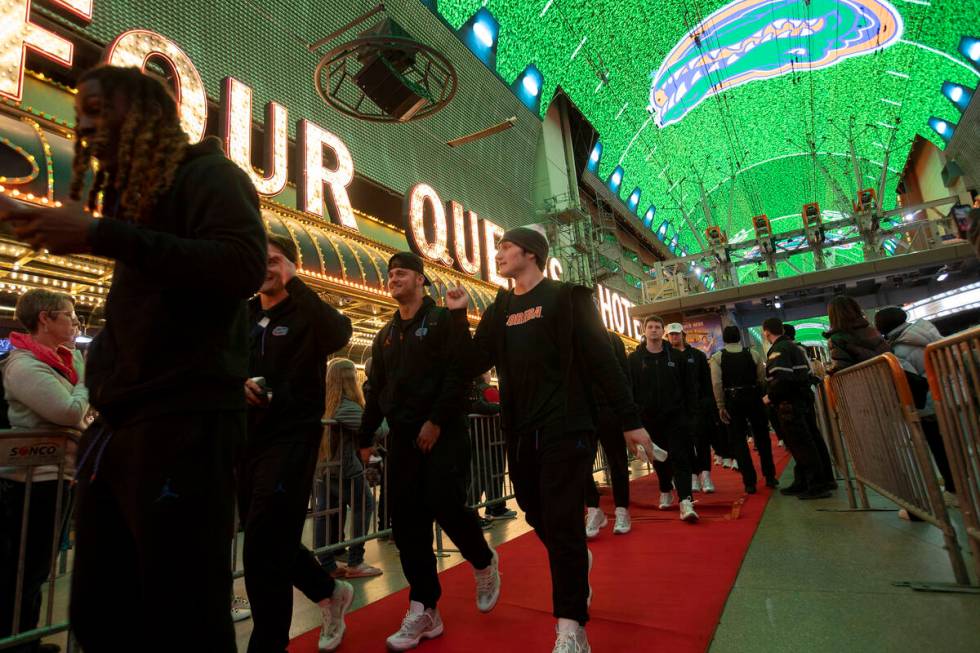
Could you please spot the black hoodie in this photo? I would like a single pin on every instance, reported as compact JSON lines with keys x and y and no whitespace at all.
{"x":665,"y":385}
{"x":175,"y":338}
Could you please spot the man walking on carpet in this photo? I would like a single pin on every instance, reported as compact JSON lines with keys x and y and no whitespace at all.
{"x":547,"y":342}
{"x":418,"y":384}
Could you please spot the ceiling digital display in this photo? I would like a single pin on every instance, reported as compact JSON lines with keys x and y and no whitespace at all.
{"x":757,"y":102}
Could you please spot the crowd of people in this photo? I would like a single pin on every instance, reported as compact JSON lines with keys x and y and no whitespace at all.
{"x":187,"y":430}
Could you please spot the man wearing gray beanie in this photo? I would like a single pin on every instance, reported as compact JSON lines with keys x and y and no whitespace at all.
{"x":548,"y":345}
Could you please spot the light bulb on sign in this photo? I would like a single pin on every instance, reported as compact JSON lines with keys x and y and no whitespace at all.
{"x":418,"y":196}
{"x":311,"y":139}
{"x":458,"y":235}
{"x":137,"y":47}
{"x":237,"y":101}
{"x":18,"y":35}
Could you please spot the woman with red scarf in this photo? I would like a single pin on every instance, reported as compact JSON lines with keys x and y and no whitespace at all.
{"x":43,"y":384}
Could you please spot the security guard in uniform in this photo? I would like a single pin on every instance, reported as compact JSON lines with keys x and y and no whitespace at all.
{"x":787,"y":376}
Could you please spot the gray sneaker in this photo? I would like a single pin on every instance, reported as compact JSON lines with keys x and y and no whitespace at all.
{"x":488,"y":584}
{"x":571,"y":642}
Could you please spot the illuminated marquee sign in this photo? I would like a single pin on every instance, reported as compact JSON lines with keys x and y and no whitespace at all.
{"x":324,"y":163}
{"x":615,"y":312}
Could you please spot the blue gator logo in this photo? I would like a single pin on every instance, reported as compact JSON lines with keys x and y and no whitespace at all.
{"x":749,"y":40}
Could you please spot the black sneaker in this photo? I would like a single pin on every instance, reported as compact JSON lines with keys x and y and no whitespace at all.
{"x":772,"y":482}
{"x":793,"y":489}
{"x":750,"y":489}
{"x":816,"y":493}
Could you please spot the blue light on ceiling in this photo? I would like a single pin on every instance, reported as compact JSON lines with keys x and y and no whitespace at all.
{"x":942,"y":127}
{"x":662,"y":231}
{"x":673,"y":243}
{"x":634,"y":200}
{"x":648,"y":217}
{"x":616,"y":179}
{"x":479,"y":34}
{"x":970,"y":48}
{"x":958,"y":95}
{"x":527,"y":87}
{"x":596,"y":154}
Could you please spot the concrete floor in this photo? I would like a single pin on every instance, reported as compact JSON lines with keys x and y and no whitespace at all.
{"x":815,"y":580}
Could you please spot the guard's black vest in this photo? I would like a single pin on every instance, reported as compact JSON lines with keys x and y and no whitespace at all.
{"x":738,"y":370}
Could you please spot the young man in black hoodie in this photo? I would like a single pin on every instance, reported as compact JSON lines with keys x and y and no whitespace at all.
{"x":665,"y":389}
{"x":156,"y":488}
{"x":293,"y":332}
{"x":547,"y":342}
{"x":419,"y":385}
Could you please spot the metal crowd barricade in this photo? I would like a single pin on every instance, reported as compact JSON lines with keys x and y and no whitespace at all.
{"x":827,"y":422}
{"x":489,"y":480}
{"x":880,"y":426}
{"x":22,"y":454}
{"x":953,"y":370}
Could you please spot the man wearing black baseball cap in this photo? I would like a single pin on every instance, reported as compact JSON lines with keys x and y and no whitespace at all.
{"x":548,"y":344}
{"x":417,"y":383}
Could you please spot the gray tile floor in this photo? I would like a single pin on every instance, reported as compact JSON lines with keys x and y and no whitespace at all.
{"x":819,"y":581}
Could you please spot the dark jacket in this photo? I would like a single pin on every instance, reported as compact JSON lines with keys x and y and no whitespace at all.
{"x":619,"y":350}
{"x":787,"y":372}
{"x":663,"y":391}
{"x":586,"y":356}
{"x":291,"y":354}
{"x":176,"y":334}
{"x":704,"y":396}
{"x":854,"y":344}
{"x":415,"y":373}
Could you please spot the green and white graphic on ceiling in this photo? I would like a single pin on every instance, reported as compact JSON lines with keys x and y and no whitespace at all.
{"x":756,"y":101}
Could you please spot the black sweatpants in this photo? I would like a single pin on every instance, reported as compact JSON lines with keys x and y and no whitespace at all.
{"x":610,"y":435}
{"x":549,"y":474}
{"x":706,"y":432}
{"x":823,"y":453}
{"x":674,"y":435}
{"x":274,"y":485}
{"x":427,"y":487}
{"x":153,"y":537}
{"x":794,"y":428}
{"x":748,"y":412}
{"x":38,"y":553}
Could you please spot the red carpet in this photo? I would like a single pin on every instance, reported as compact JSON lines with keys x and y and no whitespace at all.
{"x":662,"y":587}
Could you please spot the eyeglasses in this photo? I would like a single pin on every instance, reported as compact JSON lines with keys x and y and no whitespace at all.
{"x":71,"y":316}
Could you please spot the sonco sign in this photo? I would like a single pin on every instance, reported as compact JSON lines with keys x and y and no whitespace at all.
{"x":30,"y":452}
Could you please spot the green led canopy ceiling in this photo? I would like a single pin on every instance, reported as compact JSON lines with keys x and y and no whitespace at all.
{"x":735,"y":97}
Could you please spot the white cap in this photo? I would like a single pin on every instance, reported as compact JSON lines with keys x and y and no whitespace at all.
{"x":674,"y":327}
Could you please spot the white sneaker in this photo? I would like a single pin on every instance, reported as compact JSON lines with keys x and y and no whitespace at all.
{"x":418,"y":624}
{"x":659,"y":454}
{"x":781,"y":444}
{"x":706,"y":483}
{"x":571,"y":641}
{"x":727,"y":462}
{"x":717,"y":459}
{"x":734,"y":464}
{"x":623,"y":524}
{"x":240,"y":609}
{"x":695,"y":484}
{"x":333,"y":611}
{"x":488,"y":584}
{"x":595,"y":520}
{"x":666,"y":500}
{"x":687,"y":511}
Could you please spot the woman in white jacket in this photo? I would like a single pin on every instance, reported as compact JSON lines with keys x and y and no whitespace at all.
{"x":43,"y":381}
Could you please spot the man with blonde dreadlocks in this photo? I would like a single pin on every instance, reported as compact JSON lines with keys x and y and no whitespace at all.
{"x":156,"y":492}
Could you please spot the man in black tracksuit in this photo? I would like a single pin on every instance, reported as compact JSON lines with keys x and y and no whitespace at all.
{"x":665,"y":390}
{"x":706,"y":427}
{"x":788,"y":392}
{"x":548,"y":344}
{"x":419,"y":386}
{"x":293,"y":333}
{"x":155,"y":508}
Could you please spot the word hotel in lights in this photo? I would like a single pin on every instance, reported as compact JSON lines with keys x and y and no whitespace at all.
{"x":464,"y":240}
